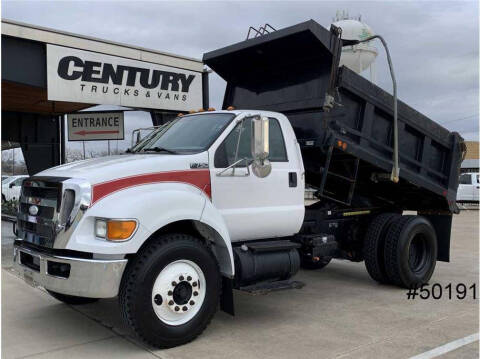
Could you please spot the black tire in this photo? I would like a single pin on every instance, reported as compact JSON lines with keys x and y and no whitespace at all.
{"x":410,"y":251}
{"x":308,"y":263}
{"x":71,"y":299}
{"x":374,"y":246}
{"x":3,"y":198}
{"x":135,"y":294}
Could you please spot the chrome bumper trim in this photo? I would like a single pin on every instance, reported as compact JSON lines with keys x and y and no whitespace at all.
{"x":92,"y":278}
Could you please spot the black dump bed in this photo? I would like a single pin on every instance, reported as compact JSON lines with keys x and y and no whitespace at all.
{"x":347,"y":151}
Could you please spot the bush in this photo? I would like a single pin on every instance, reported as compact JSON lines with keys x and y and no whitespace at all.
{"x":10,"y":207}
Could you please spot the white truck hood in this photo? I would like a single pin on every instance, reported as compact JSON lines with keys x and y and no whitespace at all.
{"x":103,"y":169}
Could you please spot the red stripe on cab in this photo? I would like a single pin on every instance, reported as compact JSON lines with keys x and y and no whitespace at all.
{"x":198,"y":178}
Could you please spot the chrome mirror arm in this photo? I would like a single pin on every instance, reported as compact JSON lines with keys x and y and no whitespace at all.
{"x":220,"y":174}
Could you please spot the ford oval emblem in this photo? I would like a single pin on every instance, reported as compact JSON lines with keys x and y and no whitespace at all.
{"x":33,"y":210}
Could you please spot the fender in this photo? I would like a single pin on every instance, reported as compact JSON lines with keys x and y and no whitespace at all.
{"x":223,"y":245}
{"x":154,"y":206}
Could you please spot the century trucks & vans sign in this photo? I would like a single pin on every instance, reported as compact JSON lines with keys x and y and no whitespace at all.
{"x":93,"y":126}
{"x":88,"y":77}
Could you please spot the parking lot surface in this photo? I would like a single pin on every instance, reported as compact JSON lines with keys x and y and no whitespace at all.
{"x":340,"y":313}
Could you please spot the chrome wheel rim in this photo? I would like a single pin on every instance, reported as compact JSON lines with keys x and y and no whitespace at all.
{"x":178,"y":292}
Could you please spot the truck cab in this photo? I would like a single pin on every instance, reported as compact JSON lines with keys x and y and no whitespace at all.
{"x":82,"y":225}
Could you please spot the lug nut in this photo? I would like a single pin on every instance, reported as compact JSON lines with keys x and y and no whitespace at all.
{"x":171,"y":302}
{"x":189,"y":278}
{"x":158,"y":299}
{"x":174,"y":284}
{"x":181,"y":278}
{"x":192,"y":302}
{"x":194,"y":284}
{"x":195,"y":293}
{"x":170,"y":292}
{"x":185,"y":309}
{"x":177,"y":308}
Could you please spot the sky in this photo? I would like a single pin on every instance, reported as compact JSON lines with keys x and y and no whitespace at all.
{"x":434,"y":44}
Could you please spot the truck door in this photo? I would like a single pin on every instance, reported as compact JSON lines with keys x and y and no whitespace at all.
{"x":12,"y":189}
{"x":476,"y":187}
{"x":465,"y":188}
{"x":254,"y":207}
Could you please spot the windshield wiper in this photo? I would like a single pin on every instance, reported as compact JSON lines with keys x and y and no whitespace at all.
{"x":159,"y":149}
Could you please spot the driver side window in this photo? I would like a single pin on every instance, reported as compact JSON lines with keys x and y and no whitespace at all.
{"x":465,"y":179}
{"x":225,"y":154}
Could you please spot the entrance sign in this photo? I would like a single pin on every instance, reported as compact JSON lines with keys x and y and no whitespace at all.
{"x":95,"y":126}
{"x":88,"y":77}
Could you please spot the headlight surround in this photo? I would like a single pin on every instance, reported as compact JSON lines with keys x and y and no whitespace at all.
{"x":115,"y":229}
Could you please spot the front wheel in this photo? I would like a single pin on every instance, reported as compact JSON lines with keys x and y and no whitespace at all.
{"x":170,"y":291}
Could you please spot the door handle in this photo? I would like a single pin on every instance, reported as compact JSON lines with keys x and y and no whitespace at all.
{"x":292,"y":179}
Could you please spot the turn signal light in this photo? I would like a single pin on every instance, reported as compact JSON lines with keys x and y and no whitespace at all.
{"x":211,"y":109}
{"x":230,"y":108}
{"x":120,"y":230}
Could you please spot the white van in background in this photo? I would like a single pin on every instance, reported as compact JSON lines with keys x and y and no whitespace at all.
{"x":11,"y":187}
{"x":469,"y":187}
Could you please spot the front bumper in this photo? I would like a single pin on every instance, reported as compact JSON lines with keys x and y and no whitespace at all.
{"x":92,"y":278}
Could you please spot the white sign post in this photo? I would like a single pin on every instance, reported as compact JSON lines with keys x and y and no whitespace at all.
{"x":95,"y":126}
{"x":88,"y":77}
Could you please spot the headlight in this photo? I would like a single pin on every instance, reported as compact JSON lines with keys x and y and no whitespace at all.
{"x":101,"y":228}
{"x":115,"y":229}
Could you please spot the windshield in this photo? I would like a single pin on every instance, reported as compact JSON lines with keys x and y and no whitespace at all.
{"x":137,"y":147}
{"x":8,"y":180}
{"x":188,"y":134}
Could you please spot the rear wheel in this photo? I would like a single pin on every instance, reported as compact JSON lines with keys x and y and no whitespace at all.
{"x":71,"y":299}
{"x":170,"y":291}
{"x":374,"y":246}
{"x":410,"y":251}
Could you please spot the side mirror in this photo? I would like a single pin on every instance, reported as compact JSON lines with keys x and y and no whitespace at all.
{"x":11,"y":185}
{"x":261,"y":166}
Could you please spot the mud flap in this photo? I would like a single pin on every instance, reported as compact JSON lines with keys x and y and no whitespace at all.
{"x":443,"y":228}
{"x":226,"y":298}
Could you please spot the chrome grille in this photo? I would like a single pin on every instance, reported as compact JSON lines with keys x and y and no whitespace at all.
{"x":46,"y":195}
{"x":43,"y":211}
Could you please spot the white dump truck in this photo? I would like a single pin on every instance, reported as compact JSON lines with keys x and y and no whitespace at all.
{"x":214,"y":201}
